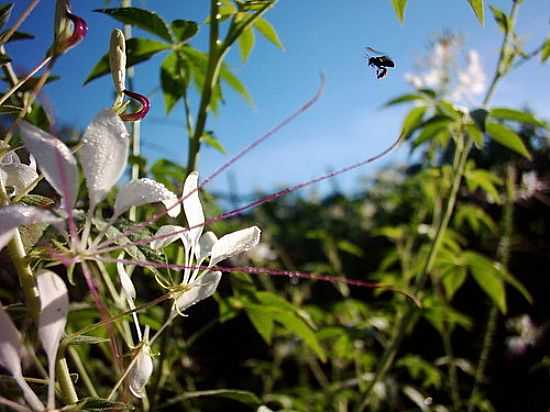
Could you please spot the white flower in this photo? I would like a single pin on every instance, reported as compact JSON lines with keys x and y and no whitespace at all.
{"x":471,"y":80}
{"x":141,"y":371}
{"x":199,"y":280}
{"x":262,"y":252}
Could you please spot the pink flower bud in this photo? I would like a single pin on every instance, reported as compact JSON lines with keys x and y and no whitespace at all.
{"x":142,"y":112}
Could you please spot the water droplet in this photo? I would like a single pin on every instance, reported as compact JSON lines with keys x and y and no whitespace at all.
{"x":218,"y":16}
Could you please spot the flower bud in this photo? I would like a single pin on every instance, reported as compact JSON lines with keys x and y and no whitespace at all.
{"x":117,"y":60}
{"x":64,"y":38}
{"x":141,"y":371}
{"x":142,"y":112}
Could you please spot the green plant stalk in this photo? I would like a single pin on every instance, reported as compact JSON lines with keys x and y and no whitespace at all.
{"x":82,"y":372}
{"x":216,"y":55}
{"x":391,"y":351}
{"x":65,"y":382}
{"x":453,"y":377}
{"x":504,"y":257}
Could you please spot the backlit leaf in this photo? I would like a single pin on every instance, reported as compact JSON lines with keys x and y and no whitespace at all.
{"x":507,"y":137}
{"x":399,"y":6}
{"x":144,"y":19}
{"x":268,"y":31}
{"x":478,"y":7}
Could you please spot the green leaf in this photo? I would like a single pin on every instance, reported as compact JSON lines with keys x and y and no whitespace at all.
{"x":184,"y":29}
{"x":212,"y":141}
{"x":431,"y":128}
{"x":350,"y":248}
{"x":301,"y":329}
{"x":453,"y":279}
{"x":268,"y":31}
{"x":419,"y":368}
{"x":412,"y":120}
{"x":399,"y":7}
{"x":246,"y":43}
{"x":173,"y":80}
{"x":545,"y":52}
{"x":227,"y":76}
{"x":485,"y":274}
{"x":475,"y":134}
{"x":480,"y":178}
{"x":262,"y":321}
{"x":507,"y":137}
{"x":83,"y":340}
{"x":144,"y":19}
{"x":245,"y":397}
{"x":5,"y":13}
{"x":405,"y":98}
{"x":137,"y":50}
{"x":478,"y":7}
{"x":516,"y":284}
{"x":505,"y":113}
{"x":501,"y":18}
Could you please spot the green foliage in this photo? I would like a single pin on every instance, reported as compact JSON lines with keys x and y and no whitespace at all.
{"x":507,"y":137}
{"x":146,"y":20}
{"x":399,"y":7}
{"x":478,"y":6}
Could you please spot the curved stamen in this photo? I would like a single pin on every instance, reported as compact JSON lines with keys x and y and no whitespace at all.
{"x":142,"y":112}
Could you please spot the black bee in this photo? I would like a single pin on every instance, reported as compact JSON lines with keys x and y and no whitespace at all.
{"x":380,"y":61}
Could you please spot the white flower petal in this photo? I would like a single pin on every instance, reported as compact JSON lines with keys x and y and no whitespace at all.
{"x":128,"y":288}
{"x":16,"y":215}
{"x":192,"y":207}
{"x":55,"y":160}
{"x":165,"y":236}
{"x":54,"y":306}
{"x":200,"y":289}
{"x":18,"y":176}
{"x":142,"y":191}
{"x":141,"y":372}
{"x":10,"y":358}
{"x":234,"y":243}
{"x":204,"y":247}
{"x":103,"y":154}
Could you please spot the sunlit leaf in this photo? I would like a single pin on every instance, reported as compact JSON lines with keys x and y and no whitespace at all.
{"x":484,"y":272}
{"x":501,"y":18}
{"x":507,"y":137}
{"x":399,"y":7}
{"x":412,"y":120}
{"x":144,"y":19}
{"x":246,"y":43}
{"x":268,"y":31}
{"x":545,"y":52}
{"x":478,"y":6}
{"x":211,"y":140}
{"x":505,"y":113}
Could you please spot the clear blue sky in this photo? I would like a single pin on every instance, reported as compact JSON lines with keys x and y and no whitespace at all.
{"x":345,"y":126}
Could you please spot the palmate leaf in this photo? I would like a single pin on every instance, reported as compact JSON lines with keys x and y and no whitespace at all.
{"x":137,"y":50}
{"x":478,"y":6}
{"x":144,"y":19}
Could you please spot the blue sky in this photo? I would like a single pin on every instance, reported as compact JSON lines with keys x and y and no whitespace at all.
{"x":345,"y":126}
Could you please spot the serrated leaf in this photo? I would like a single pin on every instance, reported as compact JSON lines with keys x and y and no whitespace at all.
{"x":412,"y":120}
{"x":137,"y":50}
{"x":184,"y":29}
{"x":484,"y":272}
{"x":5,"y":13}
{"x":399,"y":6}
{"x":173,"y":80}
{"x":246,"y":43}
{"x":268,"y":31}
{"x":478,"y":7}
{"x":505,"y":113}
{"x":146,"y":20}
{"x":507,"y":137}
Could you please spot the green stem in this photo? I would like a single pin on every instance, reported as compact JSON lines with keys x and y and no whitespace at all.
{"x":504,"y":257}
{"x":65,"y":382}
{"x":453,"y":378}
{"x":405,"y":323}
{"x":82,"y":372}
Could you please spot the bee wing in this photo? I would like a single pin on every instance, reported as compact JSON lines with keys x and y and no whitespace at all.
{"x":374,"y":52}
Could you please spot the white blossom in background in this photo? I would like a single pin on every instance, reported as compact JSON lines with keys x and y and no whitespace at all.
{"x":471,"y":81}
{"x":262,"y":252}
{"x":527,"y":334}
{"x":200,"y":279}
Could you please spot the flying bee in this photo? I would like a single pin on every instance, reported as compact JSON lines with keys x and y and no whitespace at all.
{"x":379,"y":60}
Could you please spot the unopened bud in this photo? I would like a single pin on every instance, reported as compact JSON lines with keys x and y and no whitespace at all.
{"x":141,"y":371}
{"x":117,"y":60}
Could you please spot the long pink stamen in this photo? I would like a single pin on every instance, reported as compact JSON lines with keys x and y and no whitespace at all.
{"x":256,"y":203}
{"x":268,"y":271}
{"x":142,"y":112}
